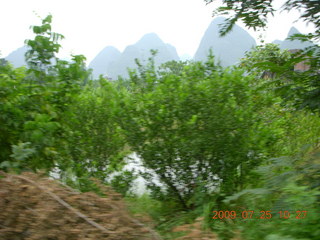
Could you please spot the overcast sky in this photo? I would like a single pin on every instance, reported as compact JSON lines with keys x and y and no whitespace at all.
{"x":91,"y":25}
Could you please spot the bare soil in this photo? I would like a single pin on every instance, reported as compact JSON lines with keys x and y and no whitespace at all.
{"x":37,"y":208}
{"x":195,"y":231}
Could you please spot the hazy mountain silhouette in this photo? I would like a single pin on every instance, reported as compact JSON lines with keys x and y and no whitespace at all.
{"x":16,"y":58}
{"x":141,"y":50}
{"x":228,"y":49}
{"x":287,"y":44}
{"x":148,"y":41}
{"x":279,"y":42}
{"x":102,"y":63}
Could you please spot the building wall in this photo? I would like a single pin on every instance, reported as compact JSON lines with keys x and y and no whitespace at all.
{"x":301,"y":66}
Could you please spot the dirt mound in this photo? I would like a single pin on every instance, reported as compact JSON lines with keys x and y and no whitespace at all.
{"x":37,"y":208}
{"x":195,"y":231}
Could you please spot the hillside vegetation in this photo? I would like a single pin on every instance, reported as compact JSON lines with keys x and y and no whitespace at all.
{"x":234,"y":149}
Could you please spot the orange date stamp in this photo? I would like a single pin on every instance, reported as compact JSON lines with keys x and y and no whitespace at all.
{"x":250,"y":214}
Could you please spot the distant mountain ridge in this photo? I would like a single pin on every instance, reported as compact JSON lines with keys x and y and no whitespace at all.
{"x":16,"y":58}
{"x":104,"y":61}
{"x":228,"y":49}
{"x":140,"y":50}
{"x":287,"y":44}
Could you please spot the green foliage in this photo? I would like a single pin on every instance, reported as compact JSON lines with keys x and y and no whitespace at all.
{"x":306,"y":84}
{"x":190,"y":114}
{"x":300,"y":87}
{"x":123,"y":182}
{"x":49,"y":118}
{"x":276,"y":66}
{"x":254,"y":14}
{"x":165,"y":214}
{"x":43,"y":48}
{"x":35,"y":99}
{"x":145,"y":204}
{"x":196,"y":127}
{"x":310,"y":13}
{"x":12,"y":103}
{"x":21,"y":151}
{"x":289,"y":184}
{"x":267,"y":59}
{"x":281,"y":183}
{"x":95,"y":141}
{"x":212,"y":137}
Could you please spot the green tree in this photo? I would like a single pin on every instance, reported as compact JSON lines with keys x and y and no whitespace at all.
{"x":95,"y":142}
{"x":195,"y":127}
{"x":267,"y":58}
{"x":297,"y":88}
{"x":12,"y":108}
